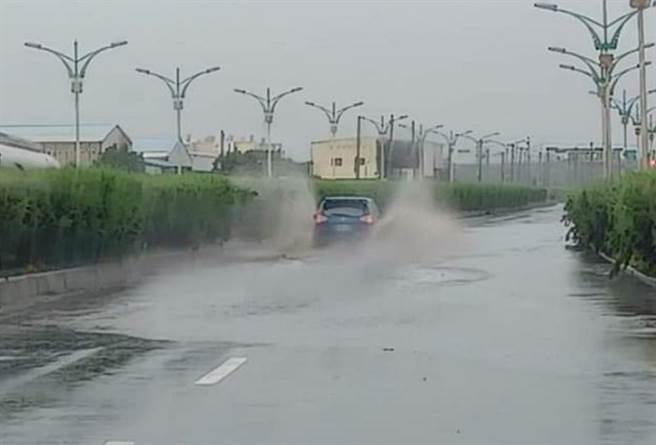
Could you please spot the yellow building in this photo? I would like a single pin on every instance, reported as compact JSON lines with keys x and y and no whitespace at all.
{"x":335,"y":158}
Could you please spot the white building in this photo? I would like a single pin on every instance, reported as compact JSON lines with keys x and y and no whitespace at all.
{"x":335,"y":158}
{"x":58,"y":141}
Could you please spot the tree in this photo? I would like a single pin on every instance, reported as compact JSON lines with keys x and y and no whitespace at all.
{"x":122,"y":159}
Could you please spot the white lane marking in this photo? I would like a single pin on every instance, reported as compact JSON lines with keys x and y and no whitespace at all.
{"x":119,"y":442}
{"x":35,"y":373}
{"x":228,"y":367}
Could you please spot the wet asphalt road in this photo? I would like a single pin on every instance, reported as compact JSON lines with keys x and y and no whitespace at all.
{"x":514,"y":340}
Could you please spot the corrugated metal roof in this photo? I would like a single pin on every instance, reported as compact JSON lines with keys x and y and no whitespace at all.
{"x":153,"y":144}
{"x":59,"y":133}
{"x":13,"y":141}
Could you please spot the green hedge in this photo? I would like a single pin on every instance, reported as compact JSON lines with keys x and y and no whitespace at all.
{"x":459,"y":196}
{"x":618,"y":219}
{"x":65,"y":217}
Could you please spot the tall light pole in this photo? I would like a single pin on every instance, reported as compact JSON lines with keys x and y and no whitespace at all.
{"x":268,"y":105}
{"x":640,"y":6}
{"x":76,"y":66}
{"x":383,"y":129}
{"x":513,"y":147}
{"x":504,"y":147}
{"x":480,"y":142}
{"x":624,"y":109}
{"x":451,"y":140}
{"x":421,"y":142}
{"x":605,"y":79}
{"x":605,"y":42}
{"x":334,"y":115}
{"x":178,"y":89}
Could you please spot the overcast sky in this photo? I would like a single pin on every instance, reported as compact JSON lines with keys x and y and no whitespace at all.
{"x":467,"y":64}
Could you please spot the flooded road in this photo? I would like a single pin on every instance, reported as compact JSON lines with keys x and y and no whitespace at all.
{"x":508,"y":339}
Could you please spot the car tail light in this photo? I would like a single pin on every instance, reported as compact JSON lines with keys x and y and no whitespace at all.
{"x":368,"y":219}
{"x":319,"y":218}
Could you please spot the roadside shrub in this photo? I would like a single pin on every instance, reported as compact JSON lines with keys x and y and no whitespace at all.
{"x":618,"y":219}
{"x":459,"y":196}
{"x":65,"y":217}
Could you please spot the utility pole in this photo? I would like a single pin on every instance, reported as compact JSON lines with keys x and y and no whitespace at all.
{"x":357,"y":147}
{"x":640,"y":6}
{"x":383,"y":129}
{"x":76,"y":66}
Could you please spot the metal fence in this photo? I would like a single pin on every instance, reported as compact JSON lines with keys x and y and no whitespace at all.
{"x":560,"y":173}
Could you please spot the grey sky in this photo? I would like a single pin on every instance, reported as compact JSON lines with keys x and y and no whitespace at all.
{"x":479,"y":64}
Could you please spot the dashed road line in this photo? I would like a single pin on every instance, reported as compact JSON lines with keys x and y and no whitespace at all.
{"x":215,"y":376}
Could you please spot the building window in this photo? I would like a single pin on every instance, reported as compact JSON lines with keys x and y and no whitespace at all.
{"x":337,"y":162}
{"x":361,"y":161}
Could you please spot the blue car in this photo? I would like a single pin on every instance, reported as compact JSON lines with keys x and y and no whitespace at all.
{"x":344,"y":218}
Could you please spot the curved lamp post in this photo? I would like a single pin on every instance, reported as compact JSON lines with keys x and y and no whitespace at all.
{"x":178,"y":89}
{"x":625,"y":108}
{"x":603,"y":75}
{"x":334,"y":115}
{"x":421,"y":141}
{"x":479,"y":149}
{"x":451,"y":140}
{"x":383,"y":128}
{"x":268,"y":105}
{"x":76,"y":66}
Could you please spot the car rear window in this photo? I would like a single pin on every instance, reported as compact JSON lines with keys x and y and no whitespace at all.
{"x":345,"y":207}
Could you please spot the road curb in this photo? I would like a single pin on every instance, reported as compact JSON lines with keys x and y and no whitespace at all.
{"x":631,"y":271}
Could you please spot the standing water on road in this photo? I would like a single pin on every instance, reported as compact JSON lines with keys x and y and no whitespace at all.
{"x":513,"y":339}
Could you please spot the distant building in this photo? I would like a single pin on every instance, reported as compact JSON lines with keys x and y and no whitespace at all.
{"x":335,"y":159}
{"x":250,"y":144}
{"x":58,"y":141}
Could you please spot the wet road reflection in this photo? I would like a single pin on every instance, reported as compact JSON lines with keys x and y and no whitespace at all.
{"x":511,"y":338}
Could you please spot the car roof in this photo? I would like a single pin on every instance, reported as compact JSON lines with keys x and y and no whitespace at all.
{"x":351,"y":197}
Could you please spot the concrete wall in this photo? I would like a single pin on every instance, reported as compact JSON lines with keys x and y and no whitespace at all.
{"x":24,"y":290}
{"x":64,"y":152}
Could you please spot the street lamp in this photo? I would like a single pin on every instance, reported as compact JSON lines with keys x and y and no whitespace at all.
{"x":625,"y":108}
{"x":479,"y":149}
{"x":604,"y":78}
{"x":421,"y":141}
{"x":334,"y":115}
{"x":604,"y":43}
{"x":640,"y":6}
{"x":178,"y":89}
{"x":451,"y":140}
{"x":76,"y":66}
{"x":383,"y":128}
{"x":268,"y":105}
{"x":504,"y":147}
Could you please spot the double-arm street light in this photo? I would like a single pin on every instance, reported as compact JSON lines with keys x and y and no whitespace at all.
{"x":480,"y":142}
{"x":333,"y":114}
{"x":421,"y":142}
{"x":624,"y":109}
{"x":605,"y":36}
{"x":502,"y":153}
{"x":178,"y":89}
{"x":451,"y":140}
{"x":384,"y":129}
{"x":605,"y":79}
{"x":640,"y":6}
{"x":76,"y":66}
{"x":268,"y":105}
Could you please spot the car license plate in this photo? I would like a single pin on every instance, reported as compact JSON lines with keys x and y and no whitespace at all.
{"x":342,"y":228}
